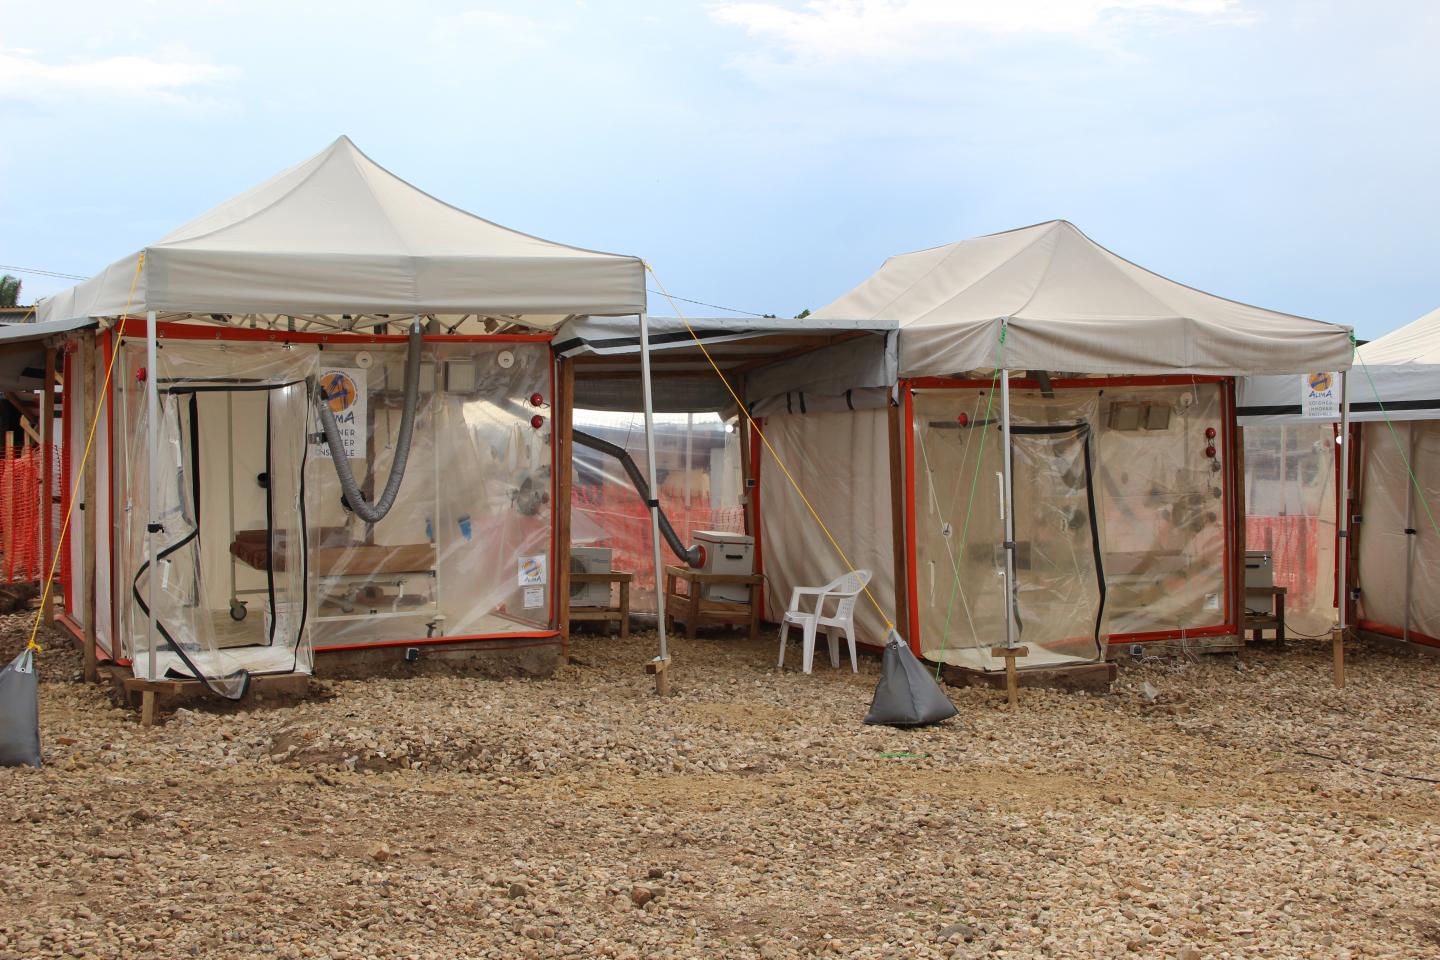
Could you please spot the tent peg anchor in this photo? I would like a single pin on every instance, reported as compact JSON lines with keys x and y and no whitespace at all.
{"x":660,"y":667}
{"x":1012,"y":681}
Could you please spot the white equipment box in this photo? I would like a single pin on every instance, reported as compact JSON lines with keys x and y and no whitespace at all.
{"x":590,"y":560}
{"x":726,"y":553}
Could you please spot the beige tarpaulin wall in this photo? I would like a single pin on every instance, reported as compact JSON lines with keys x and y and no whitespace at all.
{"x":1393,"y":505}
{"x":842,"y":462}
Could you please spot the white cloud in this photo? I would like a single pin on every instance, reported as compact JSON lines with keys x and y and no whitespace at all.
{"x":826,"y":30}
{"x":24,"y":75}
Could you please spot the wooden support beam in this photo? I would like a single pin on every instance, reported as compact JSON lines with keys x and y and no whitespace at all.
{"x":147,"y":708}
{"x":899,"y":547}
{"x":561,"y":434}
{"x":747,"y":473}
{"x":30,"y":430}
{"x":88,"y":533}
{"x":1012,"y":683}
{"x":47,"y":482}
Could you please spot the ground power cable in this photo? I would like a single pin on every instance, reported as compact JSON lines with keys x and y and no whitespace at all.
{"x":745,"y":412}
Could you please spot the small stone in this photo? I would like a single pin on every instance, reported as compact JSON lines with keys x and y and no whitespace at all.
{"x":656,"y":873}
{"x":380,"y":853}
{"x":955,"y":933}
{"x":517,"y":890}
{"x":1188,"y":952}
{"x":641,"y":895}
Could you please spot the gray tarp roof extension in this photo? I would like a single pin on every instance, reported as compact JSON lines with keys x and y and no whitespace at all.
{"x":1070,"y":304}
{"x":1396,"y":376}
{"x":827,"y":371}
{"x":22,"y":351}
{"x":339,"y":234}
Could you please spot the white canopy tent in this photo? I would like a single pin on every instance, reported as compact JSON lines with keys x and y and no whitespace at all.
{"x":1396,"y":396}
{"x":339,"y":244}
{"x":1042,"y":298}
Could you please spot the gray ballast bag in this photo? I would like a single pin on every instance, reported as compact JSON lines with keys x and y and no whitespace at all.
{"x":20,"y":713}
{"x":907,"y":695}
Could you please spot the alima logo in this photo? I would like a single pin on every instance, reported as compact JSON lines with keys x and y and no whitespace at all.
{"x":339,"y":390}
{"x":1321,"y":382}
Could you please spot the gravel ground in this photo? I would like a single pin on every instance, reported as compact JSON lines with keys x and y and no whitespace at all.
{"x":750,"y":815}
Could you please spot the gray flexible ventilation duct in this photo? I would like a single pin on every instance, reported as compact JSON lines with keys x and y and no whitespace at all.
{"x":354,"y":499}
{"x":691,"y":555}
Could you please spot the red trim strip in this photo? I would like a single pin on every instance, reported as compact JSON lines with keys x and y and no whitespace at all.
{"x":553,"y":635}
{"x":1221,"y":630}
{"x":556,"y":557}
{"x":135,"y":327}
{"x":1397,"y":633}
{"x":75,"y":629}
{"x":1228,"y":482}
{"x":912,"y":588}
{"x":1167,"y":380}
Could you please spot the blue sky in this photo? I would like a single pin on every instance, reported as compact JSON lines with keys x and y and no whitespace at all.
{"x":766,"y":155}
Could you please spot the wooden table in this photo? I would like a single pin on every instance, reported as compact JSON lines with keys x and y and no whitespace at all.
{"x":1271,"y":618}
{"x":607,"y":614}
{"x":694,"y":609}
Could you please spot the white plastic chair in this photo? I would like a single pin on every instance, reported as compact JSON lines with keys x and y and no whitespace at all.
{"x":843,"y":592}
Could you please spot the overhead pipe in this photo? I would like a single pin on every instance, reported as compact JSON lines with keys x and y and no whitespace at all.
{"x":693,"y":556}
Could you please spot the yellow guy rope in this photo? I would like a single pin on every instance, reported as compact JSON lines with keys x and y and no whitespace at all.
{"x":84,"y":462}
{"x":745,"y":412}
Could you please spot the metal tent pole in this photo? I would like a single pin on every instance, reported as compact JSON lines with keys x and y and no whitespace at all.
{"x":152,"y":522}
{"x":1012,"y":649}
{"x":1337,"y":638}
{"x":661,"y":664}
{"x":1007,"y":511}
{"x":1410,"y":531}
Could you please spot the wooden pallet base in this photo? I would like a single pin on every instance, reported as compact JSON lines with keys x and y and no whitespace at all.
{"x":153,"y":696}
{"x":1090,"y":677}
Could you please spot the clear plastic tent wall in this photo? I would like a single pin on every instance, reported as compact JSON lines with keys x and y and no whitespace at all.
{"x":260,"y":561}
{"x":1290,"y":513}
{"x":697,"y":458}
{"x":1113,"y":480}
{"x":1396,"y":571}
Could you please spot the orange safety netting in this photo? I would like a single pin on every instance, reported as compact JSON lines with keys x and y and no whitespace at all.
{"x":618,"y":519}
{"x":1294,"y":547}
{"x":20,"y":549}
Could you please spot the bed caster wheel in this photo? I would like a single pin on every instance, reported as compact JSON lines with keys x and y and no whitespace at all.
{"x":237,"y":611}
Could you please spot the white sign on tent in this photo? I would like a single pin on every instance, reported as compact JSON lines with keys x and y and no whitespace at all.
{"x":1320,"y":395}
{"x":344,"y":389}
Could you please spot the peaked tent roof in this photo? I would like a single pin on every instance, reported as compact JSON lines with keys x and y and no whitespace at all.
{"x":1416,"y":342}
{"x":1069,"y":304}
{"x":338,"y":233}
